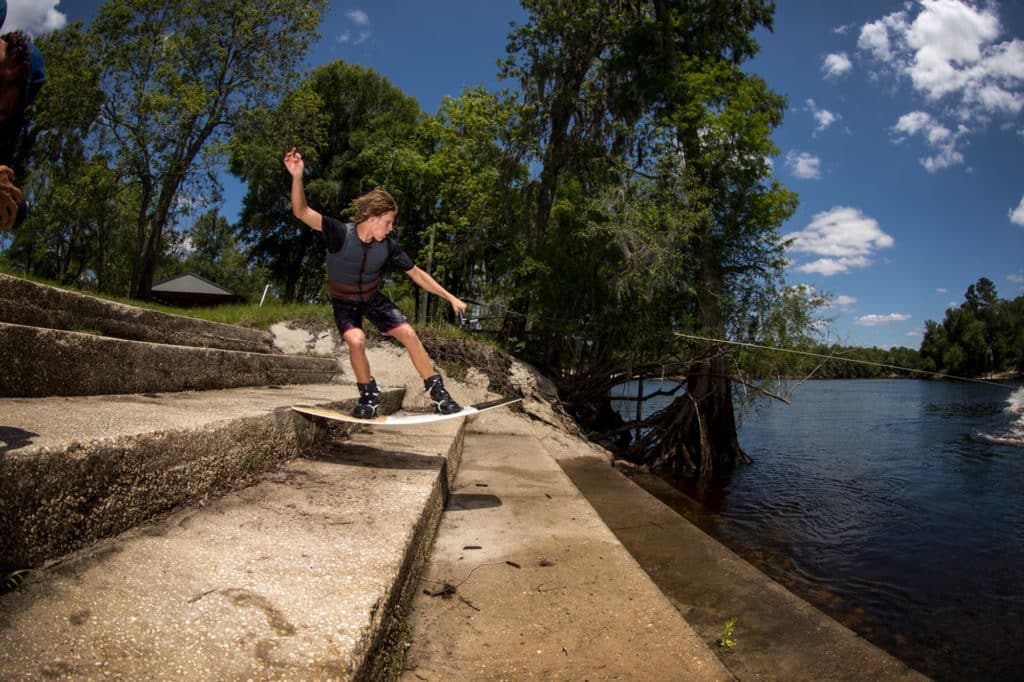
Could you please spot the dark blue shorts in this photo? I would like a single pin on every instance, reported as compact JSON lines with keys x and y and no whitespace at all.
{"x":379,"y":310}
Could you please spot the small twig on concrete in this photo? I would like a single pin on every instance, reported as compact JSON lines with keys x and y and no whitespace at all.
{"x":446,"y":591}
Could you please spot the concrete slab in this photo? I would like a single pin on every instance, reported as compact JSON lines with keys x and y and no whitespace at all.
{"x":531,"y":584}
{"x":47,"y":362}
{"x":778,"y":635}
{"x":302,"y":576}
{"x":53,"y":422}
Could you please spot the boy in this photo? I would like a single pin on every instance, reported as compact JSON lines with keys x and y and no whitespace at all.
{"x":356,"y":253}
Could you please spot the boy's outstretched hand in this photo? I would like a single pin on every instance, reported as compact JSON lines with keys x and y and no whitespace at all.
{"x":294,"y":163}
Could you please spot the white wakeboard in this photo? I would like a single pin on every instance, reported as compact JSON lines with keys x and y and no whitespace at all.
{"x":402,"y":419}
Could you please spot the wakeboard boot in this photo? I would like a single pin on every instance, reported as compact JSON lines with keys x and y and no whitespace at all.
{"x":443,"y":403}
{"x":369,"y":400}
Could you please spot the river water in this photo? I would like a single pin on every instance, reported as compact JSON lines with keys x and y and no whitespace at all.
{"x":882,"y":503}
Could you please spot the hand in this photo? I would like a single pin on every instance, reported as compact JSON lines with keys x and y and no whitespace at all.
{"x":459,"y":307}
{"x":9,"y":198}
{"x":294,"y":163}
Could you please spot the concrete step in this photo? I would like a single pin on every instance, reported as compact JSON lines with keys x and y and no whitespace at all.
{"x":779,"y":636}
{"x":46,"y":362}
{"x":38,"y":305}
{"x":74,"y":470}
{"x":304,"y":575}
{"x":526,"y":582}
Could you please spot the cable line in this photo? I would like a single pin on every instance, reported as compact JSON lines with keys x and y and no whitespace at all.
{"x":842,"y":359}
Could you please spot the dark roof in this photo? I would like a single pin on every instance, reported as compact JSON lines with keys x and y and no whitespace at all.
{"x":191,"y":289}
{"x":191,"y":282}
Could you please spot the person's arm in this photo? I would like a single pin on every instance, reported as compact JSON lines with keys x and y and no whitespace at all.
{"x":428,"y":283}
{"x":295,"y":165}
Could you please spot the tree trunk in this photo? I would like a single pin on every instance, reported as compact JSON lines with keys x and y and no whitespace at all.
{"x":708,"y":423}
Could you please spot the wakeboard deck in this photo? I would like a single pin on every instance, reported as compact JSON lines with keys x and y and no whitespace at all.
{"x":403,"y":419}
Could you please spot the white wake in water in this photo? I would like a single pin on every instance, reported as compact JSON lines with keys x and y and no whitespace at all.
{"x":1015,"y":434}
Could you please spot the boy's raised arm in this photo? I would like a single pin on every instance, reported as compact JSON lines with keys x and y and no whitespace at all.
{"x":295,"y":165}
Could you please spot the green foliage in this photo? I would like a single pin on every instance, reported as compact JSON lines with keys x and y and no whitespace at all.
{"x":76,"y":229}
{"x":726,"y":641}
{"x":175,"y":74}
{"x":215,"y":253}
{"x":131,"y":128}
{"x":985,"y":334}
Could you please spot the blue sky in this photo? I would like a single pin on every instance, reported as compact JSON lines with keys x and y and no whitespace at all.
{"x":903,"y":136}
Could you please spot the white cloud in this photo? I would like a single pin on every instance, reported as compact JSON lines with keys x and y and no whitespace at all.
{"x":361,"y":20}
{"x":836,"y":64}
{"x":881,"y":320}
{"x":843,"y":303}
{"x":949,"y":50}
{"x":34,"y":17}
{"x":843,"y":238}
{"x":822,"y":117}
{"x":1017,"y":214}
{"x":803,"y":165}
{"x":1016,"y":279}
{"x":942,"y":141}
{"x":916,"y":333}
{"x":885,"y":39}
{"x":942,"y":290}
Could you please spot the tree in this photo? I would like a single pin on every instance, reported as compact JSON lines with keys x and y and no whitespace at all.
{"x":73,"y":234}
{"x":214,"y":253}
{"x":176,"y":76}
{"x":980,"y":295}
{"x":628,"y":98}
{"x":981,"y":335}
{"x":469,"y":237}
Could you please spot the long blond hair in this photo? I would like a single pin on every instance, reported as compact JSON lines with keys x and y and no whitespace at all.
{"x":374,"y":203}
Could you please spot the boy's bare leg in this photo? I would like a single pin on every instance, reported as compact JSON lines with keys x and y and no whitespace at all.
{"x":356,"y":340}
{"x":407,"y":336}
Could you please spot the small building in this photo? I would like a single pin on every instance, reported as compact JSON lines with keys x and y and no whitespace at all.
{"x":190,"y":290}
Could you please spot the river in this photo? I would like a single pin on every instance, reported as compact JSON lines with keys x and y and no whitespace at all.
{"x":882,"y":503}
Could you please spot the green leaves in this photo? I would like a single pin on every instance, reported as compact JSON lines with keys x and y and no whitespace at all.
{"x":176,"y":75}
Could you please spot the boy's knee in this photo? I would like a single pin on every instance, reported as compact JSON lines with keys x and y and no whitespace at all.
{"x":356,"y":339}
{"x":403,"y":333}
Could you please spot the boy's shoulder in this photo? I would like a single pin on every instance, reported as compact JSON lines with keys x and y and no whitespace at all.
{"x":335,"y":232}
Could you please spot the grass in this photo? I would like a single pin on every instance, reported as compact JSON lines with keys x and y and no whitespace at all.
{"x":13,"y":581}
{"x":242,"y":314}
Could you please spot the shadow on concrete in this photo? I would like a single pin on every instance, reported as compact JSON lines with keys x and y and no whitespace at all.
{"x":363,"y":455}
{"x":468,"y":501}
{"x":13,"y":438}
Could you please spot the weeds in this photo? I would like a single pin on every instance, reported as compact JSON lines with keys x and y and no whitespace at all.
{"x":13,"y":581}
{"x":726,"y":641}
